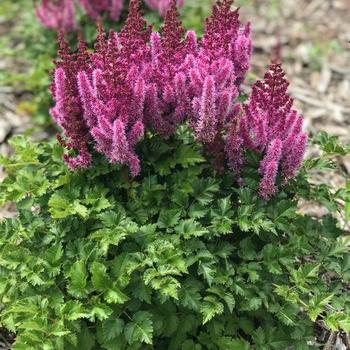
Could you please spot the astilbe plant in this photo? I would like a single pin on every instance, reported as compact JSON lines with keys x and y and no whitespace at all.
{"x":142,"y":80}
{"x":56,"y":14}
{"x":179,"y":256}
{"x":138,"y":79}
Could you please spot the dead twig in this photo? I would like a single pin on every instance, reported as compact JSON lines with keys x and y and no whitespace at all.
{"x":330,"y":341}
{"x":347,"y":340}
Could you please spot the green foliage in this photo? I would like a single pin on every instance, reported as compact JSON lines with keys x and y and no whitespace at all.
{"x":179,"y":258}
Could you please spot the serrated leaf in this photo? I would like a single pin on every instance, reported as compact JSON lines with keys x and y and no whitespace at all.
{"x":116,"y":296}
{"x":227,"y":343}
{"x":60,"y":206}
{"x":204,"y":189}
{"x":207,"y":271}
{"x":100,"y":279}
{"x":190,"y":296}
{"x":188,"y":156}
{"x":86,"y":339}
{"x":254,"y":303}
{"x":169,"y":218}
{"x":210,"y":308}
{"x":112,"y":328}
{"x":190,"y":228}
{"x":140,"y":329}
{"x":73,"y":310}
{"x":100,"y":312}
{"x":78,"y":277}
{"x":167,"y":286}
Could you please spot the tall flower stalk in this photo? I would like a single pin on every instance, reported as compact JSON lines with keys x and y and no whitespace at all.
{"x":271,"y":127}
{"x":56,"y":14}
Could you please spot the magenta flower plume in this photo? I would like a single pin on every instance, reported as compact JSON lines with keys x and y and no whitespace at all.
{"x":206,"y":126}
{"x":56,"y":14}
{"x":104,"y":93}
{"x":272,"y":128}
{"x":224,"y":37}
{"x":135,"y":35}
{"x":167,"y":100}
{"x":221,"y":61}
{"x":292,"y":161}
{"x":68,"y":111}
{"x":162,"y":6}
{"x":94,"y":8}
{"x":269,"y":167}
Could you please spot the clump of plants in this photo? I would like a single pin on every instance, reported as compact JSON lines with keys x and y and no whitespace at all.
{"x":175,"y":224}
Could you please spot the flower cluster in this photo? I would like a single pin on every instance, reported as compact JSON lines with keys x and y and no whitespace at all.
{"x":139,"y":80}
{"x":216,"y":72}
{"x":270,"y":127}
{"x":59,"y":14}
{"x":162,"y":6}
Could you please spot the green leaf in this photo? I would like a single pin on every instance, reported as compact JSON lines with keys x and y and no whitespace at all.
{"x":116,"y":296}
{"x":100,"y":279}
{"x":188,"y":156}
{"x":207,"y":271}
{"x":189,"y":295}
{"x":254,"y":303}
{"x":331,"y":144}
{"x":204,"y":190}
{"x":86,"y":339}
{"x":112,"y":328}
{"x":169,"y":218}
{"x":74,"y":310}
{"x":190,"y":228}
{"x":210,"y":308}
{"x":61,"y":206}
{"x":78,"y":277}
{"x":140,"y":329}
{"x":99,"y":311}
{"x":317,"y":305}
{"x":227,"y":343}
{"x":167,"y":286}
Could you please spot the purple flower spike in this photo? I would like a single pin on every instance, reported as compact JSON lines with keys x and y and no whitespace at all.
{"x":292,"y":160}
{"x":273,"y":154}
{"x":267,"y":184}
{"x":207,"y":122}
{"x":215,"y":59}
{"x":58,"y":15}
{"x":269,"y":167}
{"x":271,"y":127}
